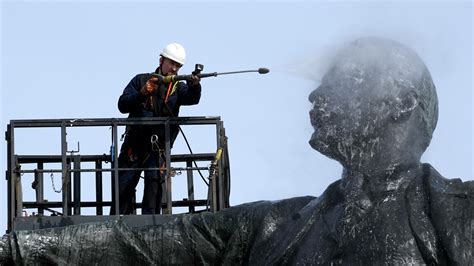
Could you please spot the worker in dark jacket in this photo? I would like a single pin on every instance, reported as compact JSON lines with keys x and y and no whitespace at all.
{"x":146,"y":96}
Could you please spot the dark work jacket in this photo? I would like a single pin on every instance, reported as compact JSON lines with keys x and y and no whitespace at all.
{"x":137,"y":105}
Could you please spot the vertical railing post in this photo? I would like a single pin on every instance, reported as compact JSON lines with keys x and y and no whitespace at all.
{"x":39,"y":186}
{"x":220,"y":176}
{"x":213,"y":179}
{"x":189,"y":163}
{"x":77,"y":185}
{"x":225,"y":169}
{"x":64,"y":167}
{"x":18,"y":188}
{"x":69,"y":186}
{"x":98,"y":187}
{"x":9,"y":136}
{"x":115,"y":182}
{"x":212,"y":193}
{"x":168,"y":184}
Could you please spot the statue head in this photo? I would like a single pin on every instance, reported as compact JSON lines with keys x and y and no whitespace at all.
{"x":376,"y":106}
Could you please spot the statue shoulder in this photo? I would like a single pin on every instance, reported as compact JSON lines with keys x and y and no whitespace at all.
{"x":451,"y":207}
{"x":441,"y":185}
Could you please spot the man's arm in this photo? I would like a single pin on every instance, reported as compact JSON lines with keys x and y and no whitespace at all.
{"x":189,"y":93}
{"x":136,"y":92}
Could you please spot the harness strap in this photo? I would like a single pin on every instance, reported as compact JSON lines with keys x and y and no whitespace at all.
{"x":171,"y":90}
{"x":168,"y":92}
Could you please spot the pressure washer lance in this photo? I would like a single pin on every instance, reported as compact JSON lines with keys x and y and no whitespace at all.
{"x":173,"y":78}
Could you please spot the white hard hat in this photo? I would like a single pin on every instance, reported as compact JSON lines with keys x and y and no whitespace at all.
{"x":175,"y":52}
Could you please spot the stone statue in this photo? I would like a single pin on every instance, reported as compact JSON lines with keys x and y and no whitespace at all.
{"x":374,"y":112}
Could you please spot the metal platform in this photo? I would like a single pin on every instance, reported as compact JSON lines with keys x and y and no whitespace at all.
{"x":44,"y":222}
{"x":71,"y":168}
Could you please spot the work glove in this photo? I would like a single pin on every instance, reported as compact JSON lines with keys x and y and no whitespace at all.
{"x":150,"y":86}
{"x":194,"y":80}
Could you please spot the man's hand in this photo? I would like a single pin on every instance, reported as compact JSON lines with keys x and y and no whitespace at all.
{"x":195,"y":80}
{"x":150,"y":86}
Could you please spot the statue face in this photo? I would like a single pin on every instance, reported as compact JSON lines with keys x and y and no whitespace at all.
{"x":348,"y":114}
{"x":376,"y":105}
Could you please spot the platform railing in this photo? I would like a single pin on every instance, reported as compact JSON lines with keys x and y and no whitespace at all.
{"x":71,"y":164}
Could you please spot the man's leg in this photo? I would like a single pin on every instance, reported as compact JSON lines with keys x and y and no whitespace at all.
{"x":151,"y":203}
{"x":128,"y":181}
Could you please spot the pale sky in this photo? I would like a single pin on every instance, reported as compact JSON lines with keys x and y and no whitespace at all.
{"x":73,"y":60}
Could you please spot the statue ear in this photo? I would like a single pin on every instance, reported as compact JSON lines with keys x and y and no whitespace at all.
{"x":403,"y":108}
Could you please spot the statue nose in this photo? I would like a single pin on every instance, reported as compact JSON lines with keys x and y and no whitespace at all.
{"x":312,"y":96}
{"x":320,"y":92}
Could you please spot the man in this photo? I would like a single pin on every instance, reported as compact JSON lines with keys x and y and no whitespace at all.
{"x":146,"y":96}
{"x":375,"y":113}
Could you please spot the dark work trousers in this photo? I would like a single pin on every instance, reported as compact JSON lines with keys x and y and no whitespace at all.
{"x":128,"y":180}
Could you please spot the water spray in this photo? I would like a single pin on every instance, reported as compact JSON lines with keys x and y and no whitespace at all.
{"x":197,"y":72}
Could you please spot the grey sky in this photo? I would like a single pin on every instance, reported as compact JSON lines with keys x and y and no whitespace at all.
{"x":72,"y":60}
